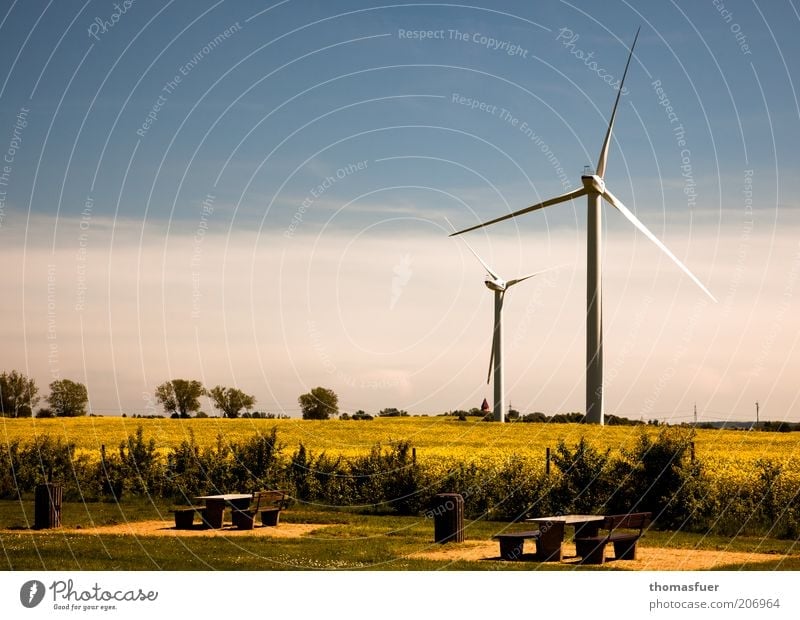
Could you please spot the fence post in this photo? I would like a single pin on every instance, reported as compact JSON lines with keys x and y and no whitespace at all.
{"x":547,"y":463}
{"x":692,"y":451}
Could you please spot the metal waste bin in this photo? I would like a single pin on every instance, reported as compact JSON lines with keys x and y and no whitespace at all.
{"x":47,"y":506}
{"x":448,"y":517}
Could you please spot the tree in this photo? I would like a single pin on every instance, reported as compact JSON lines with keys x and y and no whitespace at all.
{"x":392,"y":412}
{"x":231,"y":401}
{"x":68,"y":398}
{"x":319,"y":404}
{"x":180,"y":397}
{"x":18,"y":395}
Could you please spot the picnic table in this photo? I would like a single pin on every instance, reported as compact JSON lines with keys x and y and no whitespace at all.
{"x":216,"y":504}
{"x":549,"y":547}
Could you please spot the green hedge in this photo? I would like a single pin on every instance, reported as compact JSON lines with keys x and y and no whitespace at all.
{"x":656,"y":475}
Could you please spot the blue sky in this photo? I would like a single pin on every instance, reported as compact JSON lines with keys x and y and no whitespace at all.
{"x":275,"y":219}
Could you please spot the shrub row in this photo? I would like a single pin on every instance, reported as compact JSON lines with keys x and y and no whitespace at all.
{"x":655,"y":475}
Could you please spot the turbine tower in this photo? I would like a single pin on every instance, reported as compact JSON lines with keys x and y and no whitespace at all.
{"x":499,"y":286}
{"x":594,"y":188}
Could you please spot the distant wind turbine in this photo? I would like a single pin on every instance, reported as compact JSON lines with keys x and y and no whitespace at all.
{"x":594,"y":188}
{"x":495,"y":283}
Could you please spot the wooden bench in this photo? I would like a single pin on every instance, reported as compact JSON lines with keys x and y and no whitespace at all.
{"x":268,"y":503}
{"x":184,"y":516}
{"x":511,"y":543}
{"x":592,"y":549}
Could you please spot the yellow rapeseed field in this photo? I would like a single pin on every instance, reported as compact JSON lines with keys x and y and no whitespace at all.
{"x":433,"y":437}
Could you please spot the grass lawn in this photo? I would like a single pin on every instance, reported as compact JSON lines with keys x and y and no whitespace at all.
{"x":352,"y":540}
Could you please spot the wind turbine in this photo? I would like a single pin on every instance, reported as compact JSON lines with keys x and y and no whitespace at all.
{"x":495,"y":283}
{"x":594,"y":188}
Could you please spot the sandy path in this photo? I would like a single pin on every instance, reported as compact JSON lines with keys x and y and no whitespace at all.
{"x":649,"y":558}
{"x":167,"y":528}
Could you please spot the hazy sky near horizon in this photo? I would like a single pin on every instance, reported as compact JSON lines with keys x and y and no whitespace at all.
{"x":254,"y":194}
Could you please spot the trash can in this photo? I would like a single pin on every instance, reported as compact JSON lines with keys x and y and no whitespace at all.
{"x":448,"y":517}
{"x":47,"y":506}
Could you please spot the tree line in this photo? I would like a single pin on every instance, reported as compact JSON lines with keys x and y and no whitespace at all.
{"x":19,"y":397}
{"x":180,"y":398}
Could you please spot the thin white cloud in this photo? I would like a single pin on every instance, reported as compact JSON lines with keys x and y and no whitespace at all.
{"x":276,"y":316}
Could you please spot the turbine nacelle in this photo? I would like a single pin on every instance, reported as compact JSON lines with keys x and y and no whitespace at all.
{"x":593,"y":184}
{"x":498,"y":286}
{"x":495,"y":285}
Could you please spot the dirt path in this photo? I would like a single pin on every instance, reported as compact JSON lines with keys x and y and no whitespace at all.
{"x":167,"y":528}
{"x":649,"y":558}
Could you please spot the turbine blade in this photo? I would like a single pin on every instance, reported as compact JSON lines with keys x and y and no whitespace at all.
{"x":511,"y":283}
{"x":635,"y":221}
{"x":601,"y":162}
{"x":475,"y":254}
{"x":562,"y":198}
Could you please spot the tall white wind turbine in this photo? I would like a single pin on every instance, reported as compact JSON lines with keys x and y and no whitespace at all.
{"x":495,"y":283}
{"x":594,"y":188}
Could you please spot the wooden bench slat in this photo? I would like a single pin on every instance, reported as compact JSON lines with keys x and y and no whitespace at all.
{"x":513,"y":543}
{"x":592,"y":548}
{"x":529,"y":534}
{"x":268,"y":503}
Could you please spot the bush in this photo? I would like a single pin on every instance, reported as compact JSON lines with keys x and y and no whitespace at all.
{"x":219,"y":467}
{"x":536,"y":416}
{"x":655,"y":476}
{"x":140,"y":466}
{"x":584,"y":485}
{"x":184,"y":473}
{"x":519,"y":489}
{"x":391,"y":477}
{"x":323,"y":478}
{"x":392,"y":412}
{"x":255,"y":461}
{"x":9,"y":465}
{"x":47,"y":460}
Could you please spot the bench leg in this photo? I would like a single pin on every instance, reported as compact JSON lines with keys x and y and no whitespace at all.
{"x":593,"y":553}
{"x":549,"y":547}
{"x":244,"y":520}
{"x":184,"y":520}
{"x":511,"y":548}
{"x":212,"y":516}
{"x":584,"y":547}
{"x":625,"y":550}
{"x":270,"y":517}
{"x":237,"y":517}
